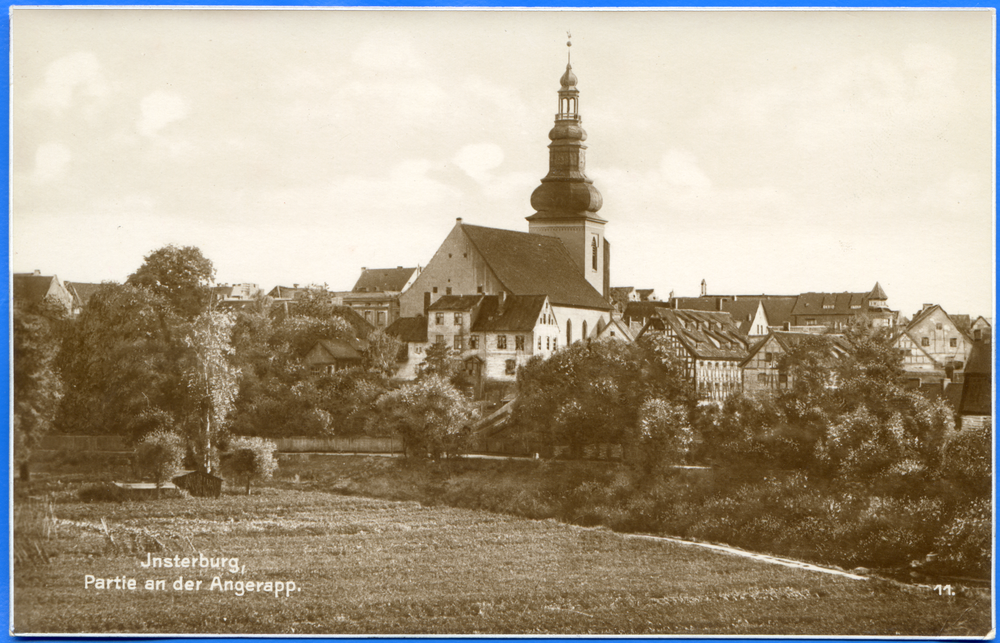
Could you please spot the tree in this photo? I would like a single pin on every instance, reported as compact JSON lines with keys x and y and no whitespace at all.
{"x":159,"y":456}
{"x":428,"y":414}
{"x":37,"y":386}
{"x":180,"y":274}
{"x":666,"y":436}
{"x":250,"y":458}
{"x":122,"y":365}
{"x":212,"y":381}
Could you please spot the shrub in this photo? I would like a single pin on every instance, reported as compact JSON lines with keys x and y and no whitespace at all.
{"x":965,"y":542}
{"x":159,"y":456}
{"x":250,"y":458}
{"x":104,"y":492}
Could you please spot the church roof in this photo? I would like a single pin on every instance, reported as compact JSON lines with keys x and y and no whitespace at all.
{"x":383,"y":279}
{"x":534,"y":264}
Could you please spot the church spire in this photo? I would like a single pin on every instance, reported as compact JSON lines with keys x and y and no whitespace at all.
{"x":566,"y":192}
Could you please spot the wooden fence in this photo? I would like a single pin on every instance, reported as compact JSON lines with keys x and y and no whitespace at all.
{"x":79,"y":443}
{"x":361,"y":444}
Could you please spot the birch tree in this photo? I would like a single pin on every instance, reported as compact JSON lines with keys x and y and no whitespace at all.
{"x":212,"y":381}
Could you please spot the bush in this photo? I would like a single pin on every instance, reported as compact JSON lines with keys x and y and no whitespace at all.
{"x":159,"y":456}
{"x":250,"y":458}
{"x":965,"y":543}
{"x":104,"y":492}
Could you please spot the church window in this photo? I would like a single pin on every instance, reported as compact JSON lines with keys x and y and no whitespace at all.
{"x":593,"y":253}
{"x":519,"y":342}
{"x":569,"y":332}
{"x":583,"y":333}
{"x":501,"y":341}
{"x":511,"y":366}
{"x":458,"y":319}
{"x":474,"y":342}
{"x":439,"y":318}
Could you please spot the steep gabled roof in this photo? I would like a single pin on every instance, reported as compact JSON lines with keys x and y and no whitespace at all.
{"x":81,"y":292}
{"x":787,"y":340}
{"x":409,"y":329}
{"x":383,"y":279}
{"x":877,"y":294}
{"x":31,"y":289}
{"x":529,"y":264}
{"x":928,"y":311}
{"x":287,"y":292}
{"x":706,"y":335}
{"x":520,"y":313}
{"x":741,"y":309}
{"x":342,"y":348}
{"x":456,"y":302}
{"x":826,"y":303}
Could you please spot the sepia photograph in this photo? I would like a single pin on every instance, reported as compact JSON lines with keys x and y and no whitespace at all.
{"x":502,"y":322}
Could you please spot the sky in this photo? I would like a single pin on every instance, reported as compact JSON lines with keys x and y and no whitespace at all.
{"x":772,"y":152}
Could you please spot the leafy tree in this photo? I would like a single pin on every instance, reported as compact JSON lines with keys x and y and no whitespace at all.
{"x":591,"y":393}
{"x":250,"y":458}
{"x":180,"y":274}
{"x":37,"y":386}
{"x":380,"y":356}
{"x":159,"y":456}
{"x":212,"y":380}
{"x":428,"y":414}
{"x":666,"y":435}
{"x":122,"y":365}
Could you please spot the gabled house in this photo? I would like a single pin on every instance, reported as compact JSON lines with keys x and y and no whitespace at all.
{"x":494,"y":335}
{"x":617,"y":330}
{"x":32,"y":289}
{"x":747,"y":312}
{"x":376,"y":294}
{"x":934,"y":348}
{"x":982,"y":329}
{"x":710,"y":344}
{"x":763,"y":371}
{"x":332,"y":355}
{"x":286,"y":293}
{"x":81,"y":293}
{"x":412,"y":332}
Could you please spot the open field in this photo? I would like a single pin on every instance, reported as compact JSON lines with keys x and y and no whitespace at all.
{"x":375,"y":566}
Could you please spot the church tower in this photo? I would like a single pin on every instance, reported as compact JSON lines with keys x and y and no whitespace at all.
{"x":566,"y":203}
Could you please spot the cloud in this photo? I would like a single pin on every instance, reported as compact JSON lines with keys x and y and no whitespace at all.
{"x":158,"y":110}
{"x":478,"y":160}
{"x":51,"y":161}
{"x":68,"y":78}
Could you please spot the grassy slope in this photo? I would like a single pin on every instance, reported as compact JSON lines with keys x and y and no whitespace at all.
{"x":374,"y":566}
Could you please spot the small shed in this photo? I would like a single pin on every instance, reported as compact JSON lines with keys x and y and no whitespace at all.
{"x":331,"y":355}
{"x":200,"y":484}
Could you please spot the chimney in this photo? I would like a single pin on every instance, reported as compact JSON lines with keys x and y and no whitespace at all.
{"x":704,"y":288}
{"x":295,"y":285}
{"x":719,"y":303}
{"x":37,"y":273}
{"x":458,"y":220}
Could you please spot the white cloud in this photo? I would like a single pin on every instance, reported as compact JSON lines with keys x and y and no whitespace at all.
{"x":158,"y":110}
{"x":77,"y":75}
{"x":51,"y":161}
{"x":478,"y":160}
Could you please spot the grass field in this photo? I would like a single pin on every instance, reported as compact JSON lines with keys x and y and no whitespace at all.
{"x":366,"y":566}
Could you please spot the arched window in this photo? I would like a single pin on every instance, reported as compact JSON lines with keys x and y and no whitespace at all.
{"x":593,"y":253}
{"x":569,"y":332}
{"x":583,"y":332}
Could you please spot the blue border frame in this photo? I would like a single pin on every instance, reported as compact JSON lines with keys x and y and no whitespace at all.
{"x":557,"y":4}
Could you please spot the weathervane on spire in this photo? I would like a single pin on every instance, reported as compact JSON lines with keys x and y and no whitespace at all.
{"x":569,"y":43}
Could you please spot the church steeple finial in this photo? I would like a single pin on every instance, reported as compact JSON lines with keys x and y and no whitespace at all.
{"x":569,"y":45}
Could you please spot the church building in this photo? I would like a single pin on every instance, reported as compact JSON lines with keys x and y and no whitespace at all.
{"x":563,"y":256}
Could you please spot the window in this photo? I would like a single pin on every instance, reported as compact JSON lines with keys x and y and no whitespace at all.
{"x":439,"y":339}
{"x":368,"y":315}
{"x":925,"y":341}
{"x":511,"y":366}
{"x":583,"y":333}
{"x":939,"y":326}
{"x":519,"y":342}
{"x":953,"y":342}
{"x":593,"y":253}
{"x":768,"y":357}
{"x":435,"y":289}
{"x":540,"y":342}
{"x":439,"y":318}
{"x":501,"y":341}
{"x":381,"y":318}
{"x":447,"y":290}
{"x":762,"y":378}
{"x":458,"y":319}
{"x":555,"y":343}
{"x":479,"y":289}
{"x":458,"y":343}
{"x":569,"y":332}
{"x":546,"y":343}
{"x":474,"y":342}
{"x":810,"y":322}
{"x":782,"y":379}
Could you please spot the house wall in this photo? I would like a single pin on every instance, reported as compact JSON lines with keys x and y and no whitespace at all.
{"x":596,"y":320}
{"x":759,"y":325}
{"x":938,"y":331}
{"x":456,"y":265}
{"x":762,"y":376}
{"x":717,"y":379}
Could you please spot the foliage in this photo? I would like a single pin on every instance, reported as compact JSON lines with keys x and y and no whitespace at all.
{"x":591,"y":392}
{"x":250,"y":458}
{"x":429,"y":415}
{"x":968,"y":458}
{"x":212,"y":381}
{"x":181,"y":275}
{"x":159,"y":456}
{"x":380,"y":356}
{"x":666,"y":435}
{"x":122,"y":365}
{"x":37,"y":385}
